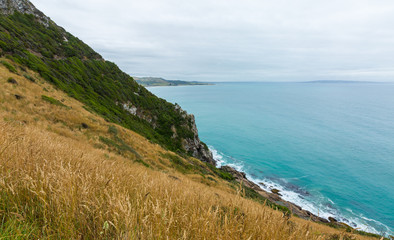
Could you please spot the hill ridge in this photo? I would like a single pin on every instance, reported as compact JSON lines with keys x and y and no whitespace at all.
{"x":75,"y":68}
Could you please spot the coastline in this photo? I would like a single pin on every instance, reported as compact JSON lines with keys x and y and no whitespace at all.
{"x":179,"y":85}
{"x":274,"y":196}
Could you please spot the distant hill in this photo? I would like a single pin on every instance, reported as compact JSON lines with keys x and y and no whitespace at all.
{"x":336,"y":81}
{"x":152,"y":81}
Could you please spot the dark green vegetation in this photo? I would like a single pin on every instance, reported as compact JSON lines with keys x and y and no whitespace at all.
{"x":52,"y":101}
{"x":72,"y":66}
{"x":30,"y":78}
{"x":151,"y":82}
{"x":349,"y":229}
{"x":9,"y":66}
{"x":117,"y":143}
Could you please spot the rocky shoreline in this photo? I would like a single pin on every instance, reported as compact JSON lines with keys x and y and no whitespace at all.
{"x":274,"y":197}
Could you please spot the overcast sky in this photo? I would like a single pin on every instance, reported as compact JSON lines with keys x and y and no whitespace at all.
{"x":234,"y":40}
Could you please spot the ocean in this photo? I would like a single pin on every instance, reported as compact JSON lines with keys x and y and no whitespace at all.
{"x":328,"y":147}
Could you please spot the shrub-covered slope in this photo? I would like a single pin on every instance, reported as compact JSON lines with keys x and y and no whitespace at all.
{"x":36,"y":42}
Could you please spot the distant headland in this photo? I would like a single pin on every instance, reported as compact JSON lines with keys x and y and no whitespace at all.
{"x":154,"y":81}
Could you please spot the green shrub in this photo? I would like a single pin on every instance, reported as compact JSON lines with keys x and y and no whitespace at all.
{"x":113,"y":130}
{"x":119,"y":146}
{"x":222,"y":174}
{"x":53,"y":101}
{"x":179,"y":164}
{"x":12,"y":80}
{"x":9,"y":67}
{"x":30,"y":78}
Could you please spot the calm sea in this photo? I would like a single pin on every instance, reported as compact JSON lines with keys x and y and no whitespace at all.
{"x":329,"y":147}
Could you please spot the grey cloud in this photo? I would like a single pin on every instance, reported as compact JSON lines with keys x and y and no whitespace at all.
{"x":229,"y":40}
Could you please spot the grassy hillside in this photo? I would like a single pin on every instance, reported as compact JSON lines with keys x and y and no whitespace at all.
{"x":73,"y":67}
{"x":67,"y":173}
{"x":87,"y":153}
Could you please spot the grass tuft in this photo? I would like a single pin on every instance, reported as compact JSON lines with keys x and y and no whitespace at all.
{"x":10,"y":67}
{"x":53,"y":101}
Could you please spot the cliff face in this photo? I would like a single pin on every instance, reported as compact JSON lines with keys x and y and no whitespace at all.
{"x":194,"y":145}
{"x":191,"y":144}
{"x":22,"y":6}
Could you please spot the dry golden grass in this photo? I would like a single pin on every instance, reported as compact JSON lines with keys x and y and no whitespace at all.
{"x":55,"y":183}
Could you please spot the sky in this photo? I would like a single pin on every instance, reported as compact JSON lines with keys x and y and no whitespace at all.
{"x":233,"y":40}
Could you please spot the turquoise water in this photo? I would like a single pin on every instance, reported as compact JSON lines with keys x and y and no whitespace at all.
{"x":329,"y":147}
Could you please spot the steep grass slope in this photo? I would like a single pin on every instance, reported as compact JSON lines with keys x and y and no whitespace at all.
{"x":39,"y":44}
{"x":66,"y":173}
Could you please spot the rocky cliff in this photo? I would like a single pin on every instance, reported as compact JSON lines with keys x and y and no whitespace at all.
{"x":191,"y":144}
{"x":22,"y":6}
{"x":194,"y":145}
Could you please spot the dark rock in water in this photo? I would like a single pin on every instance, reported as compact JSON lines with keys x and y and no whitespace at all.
{"x":12,"y":81}
{"x":84,"y":125}
{"x":262,"y":184}
{"x":276,"y":191}
{"x":18,"y":97}
{"x":331,"y":219}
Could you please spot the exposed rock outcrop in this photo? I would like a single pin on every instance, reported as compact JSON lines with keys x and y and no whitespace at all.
{"x":193,"y":145}
{"x":22,"y":6}
{"x":140,"y":113}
